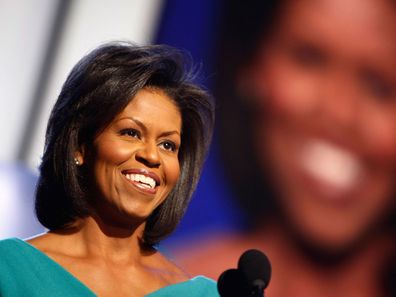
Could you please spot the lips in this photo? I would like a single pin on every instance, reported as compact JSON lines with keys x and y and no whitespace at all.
{"x":143,"y":180}
{"x":336,"y":170}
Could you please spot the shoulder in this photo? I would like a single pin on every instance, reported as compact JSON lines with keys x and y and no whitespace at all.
{"x":54,"y":245}
{"x":203,"y":282}
{"x":213,"y":255}
{"x":16,"y":253}
{"x":170,"y":272}
{"x":41,"y":241}
{"x":198,"y":286}
{"x":5,"y":244}
{"x":201,"y":286}
{"x":11,"y":247}
{"x":18,"y":263}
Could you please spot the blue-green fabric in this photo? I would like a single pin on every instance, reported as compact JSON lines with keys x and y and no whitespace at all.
{"x":26,"y":271}
{"x":196,"y":287}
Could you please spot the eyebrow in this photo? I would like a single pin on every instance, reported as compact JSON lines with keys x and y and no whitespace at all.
{"x":144,"y":128}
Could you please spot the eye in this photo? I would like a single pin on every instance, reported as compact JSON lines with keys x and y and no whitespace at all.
{"x":130,"y":132}
{"x":168,"y":146}
{"x":377,"y":85}
{"x":307,"y":55}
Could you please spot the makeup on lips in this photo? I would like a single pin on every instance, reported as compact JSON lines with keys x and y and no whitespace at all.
{"x":143,"y":180}
{"x":335,"y":168}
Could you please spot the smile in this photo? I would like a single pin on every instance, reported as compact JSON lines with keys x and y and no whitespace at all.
{"x":331,"y":165}
{"x":143,"y":180}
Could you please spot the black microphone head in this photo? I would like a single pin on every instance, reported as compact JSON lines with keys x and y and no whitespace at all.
{"x":256,"y":268}
{"x":232,"y":283}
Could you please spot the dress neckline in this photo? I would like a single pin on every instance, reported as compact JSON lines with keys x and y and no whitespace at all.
{"x":53,"y":263}
{"x":75,"y":279}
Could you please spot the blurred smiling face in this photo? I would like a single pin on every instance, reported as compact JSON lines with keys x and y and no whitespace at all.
{"x":326,"y":130}
{"x":135,"y":159}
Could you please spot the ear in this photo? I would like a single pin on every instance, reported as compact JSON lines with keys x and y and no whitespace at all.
{"x":79,"y":156}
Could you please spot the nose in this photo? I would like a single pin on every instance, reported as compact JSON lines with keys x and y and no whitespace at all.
{"x":339,"y":103}
{"x":148,"y":155}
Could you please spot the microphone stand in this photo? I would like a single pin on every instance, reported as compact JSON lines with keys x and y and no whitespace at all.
{"x":258,"y":288}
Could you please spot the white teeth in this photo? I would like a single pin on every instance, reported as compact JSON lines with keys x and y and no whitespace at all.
{"x":142,"y":179}
{"x":331,"y":164}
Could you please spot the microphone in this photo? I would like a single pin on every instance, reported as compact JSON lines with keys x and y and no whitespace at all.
{"x":250,"y":278}
{"x":232,"y":283}
{"x":256,"y":268}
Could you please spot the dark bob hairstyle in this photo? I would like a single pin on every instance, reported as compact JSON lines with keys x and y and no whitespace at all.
{"x":98,"y":88}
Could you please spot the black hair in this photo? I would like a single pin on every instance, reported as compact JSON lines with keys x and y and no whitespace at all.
{"x":98,"y":88}
{"x":244,"y":26}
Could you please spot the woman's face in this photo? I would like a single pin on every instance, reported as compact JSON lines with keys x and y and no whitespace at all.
{"x":135,"y":159}
{"x":325,"y":82}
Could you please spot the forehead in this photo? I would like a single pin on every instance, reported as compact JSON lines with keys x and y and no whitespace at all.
{"x":375,"y":14}
{"x":153,"y":106}
{"x":366,"y":26}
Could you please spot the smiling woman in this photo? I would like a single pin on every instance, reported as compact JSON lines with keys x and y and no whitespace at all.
{"x":125,"y":145}
{"x":135,"y":159}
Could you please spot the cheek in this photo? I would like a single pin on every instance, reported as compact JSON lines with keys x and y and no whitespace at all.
{"x":173,"y":171}
{"x":112,"y":152}
{"x":379,"y":131}
{"x":284,"y":90}
{"x":107,"y":156}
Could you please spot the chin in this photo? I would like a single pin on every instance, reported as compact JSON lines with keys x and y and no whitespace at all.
{"x":329,"y":247}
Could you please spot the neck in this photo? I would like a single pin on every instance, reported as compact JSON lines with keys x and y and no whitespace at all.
{"x":93,"y":238}
{"x":296,"y":274}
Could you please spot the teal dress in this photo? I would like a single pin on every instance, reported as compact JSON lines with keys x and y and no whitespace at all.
{"x":26,"y":271}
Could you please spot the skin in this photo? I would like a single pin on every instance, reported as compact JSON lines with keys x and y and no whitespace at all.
{"x":328,"y":76}
{"x":104,"y":250}
{"x":324,"y":78}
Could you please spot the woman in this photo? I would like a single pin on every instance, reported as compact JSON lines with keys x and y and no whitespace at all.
{"x":315,"y":161}
{"x":124,"y":149}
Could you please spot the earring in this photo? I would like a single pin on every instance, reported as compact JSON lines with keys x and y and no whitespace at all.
{"x":76,"y":161}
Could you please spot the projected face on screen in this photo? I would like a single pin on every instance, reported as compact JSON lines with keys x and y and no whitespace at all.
{"x":325,"y":85}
